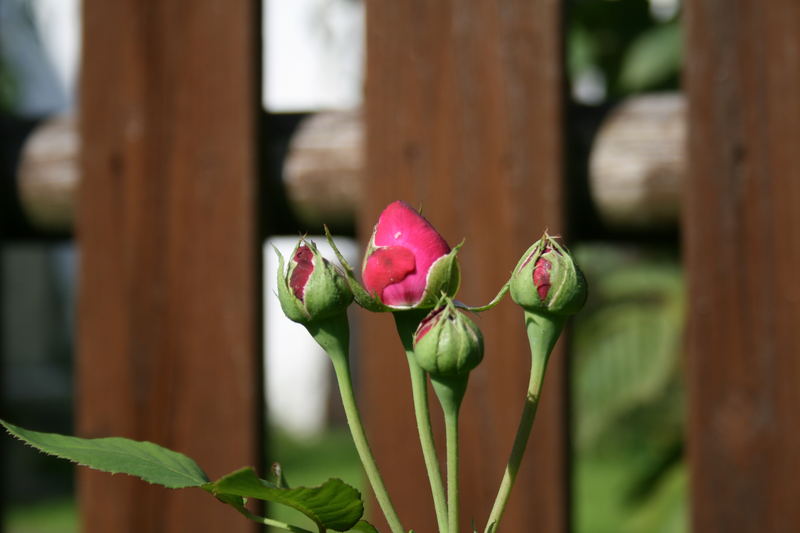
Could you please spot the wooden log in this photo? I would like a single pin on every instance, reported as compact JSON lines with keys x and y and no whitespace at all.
{"x":452,"y":126}
{"x":324,"y":168}
{"x":48,"y":174}
{"x":638,"y":161}
{"x":742,"y":256}
{"x":169,"y":298}
{"x":637,"y":167}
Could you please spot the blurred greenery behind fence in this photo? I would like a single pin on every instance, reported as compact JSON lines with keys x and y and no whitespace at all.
{"x":627,"y":389}
{"x":622,"y":47}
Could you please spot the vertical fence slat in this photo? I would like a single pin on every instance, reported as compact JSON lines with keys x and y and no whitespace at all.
{"x":464,"y":117}
{"x":167,"y":233}
{"x":742,"y":245}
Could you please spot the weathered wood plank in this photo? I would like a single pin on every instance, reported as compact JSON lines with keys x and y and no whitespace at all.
{"x":167,"y":333}
{"x":742,"y":244}
{"x":464,"y":117}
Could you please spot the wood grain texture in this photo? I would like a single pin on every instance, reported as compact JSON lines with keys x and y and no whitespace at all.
{"x":742,"y":244}
{"x":167,"y":231}
{"x":464,"y":118}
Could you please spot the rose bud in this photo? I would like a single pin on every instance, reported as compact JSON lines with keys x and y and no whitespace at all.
{"x":547,"y":280}
{"x":408,"y":264}
{"x":447,"y":343}
{"x":312,"y":288}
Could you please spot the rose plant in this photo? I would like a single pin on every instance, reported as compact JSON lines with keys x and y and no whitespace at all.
{"x":410,"y":271}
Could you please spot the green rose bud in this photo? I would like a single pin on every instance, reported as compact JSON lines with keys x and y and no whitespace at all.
{"x":447,"y":343}
{"x":547,"y":280}
{"x":312,"y":288}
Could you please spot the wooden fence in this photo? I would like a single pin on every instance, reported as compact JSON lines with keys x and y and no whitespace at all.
{"x":465,"y":115}
{"x":169,"y":292}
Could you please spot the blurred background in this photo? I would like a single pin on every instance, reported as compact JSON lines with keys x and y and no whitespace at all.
{"x":625,"y":144}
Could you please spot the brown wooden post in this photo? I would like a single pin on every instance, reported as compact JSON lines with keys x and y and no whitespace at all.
{"x":168,"y":317}
{"x":742,"y":245}
{"x":464,"y":117}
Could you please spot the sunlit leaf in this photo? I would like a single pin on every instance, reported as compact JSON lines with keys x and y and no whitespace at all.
{"x":145,"y":460}
{"x":332,"y":505}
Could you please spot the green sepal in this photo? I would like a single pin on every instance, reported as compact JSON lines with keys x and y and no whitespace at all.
{"x":444,"y":277}
{"x":480,"y":308}
{"x":362,"y":297}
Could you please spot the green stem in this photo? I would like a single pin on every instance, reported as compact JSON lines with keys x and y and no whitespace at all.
{"x":407,"y":322}
{"x":494,"y":302}
{"x":333,"y":335}
{"x":543,"y":332}
{"x":451,"y":428}
{"x":450,"y":392}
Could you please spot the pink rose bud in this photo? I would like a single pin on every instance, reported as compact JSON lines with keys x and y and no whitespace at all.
{"x":447,"y":343}
{"x":408,"y":264}
{"x":547,"y":280}
{"x":311,"y":289}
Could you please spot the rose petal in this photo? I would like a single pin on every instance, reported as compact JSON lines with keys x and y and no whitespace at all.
{"x":401,"y":225}
{"x":541,"y":277}
{"x":387,"y":266}
{"x":303,"y":258}
{"x":428,"y":322}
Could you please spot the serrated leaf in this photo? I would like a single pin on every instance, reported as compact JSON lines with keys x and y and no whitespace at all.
{"x":145,"y":460}
{"x":332,"y":505}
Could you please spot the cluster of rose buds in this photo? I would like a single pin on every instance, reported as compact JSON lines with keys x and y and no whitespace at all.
{"x":409,"y":270}
{"x":409,"y":265}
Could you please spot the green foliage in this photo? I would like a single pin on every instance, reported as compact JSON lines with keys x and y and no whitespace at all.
{"x":621,"y":39}
{"x":652,"y":58}
{"x":116,"y":455}
{"x":628,"y":394}
{"x":51,"y":516}
{"x":310,"y":459}
{"x":626,"y":346}
{"x":333,"y":505}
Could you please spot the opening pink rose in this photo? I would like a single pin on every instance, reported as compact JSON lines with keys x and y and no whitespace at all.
{"x":403,"y":248}
{"x":541,"y":275}
{"x":304,"y":259}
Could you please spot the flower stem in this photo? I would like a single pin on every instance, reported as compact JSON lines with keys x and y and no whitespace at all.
{"x":543,"y":332}
{"x":451,"y":428}
{"x":407,"y":322}
{"x":334,"y":335}
{"x":450,"y":392}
